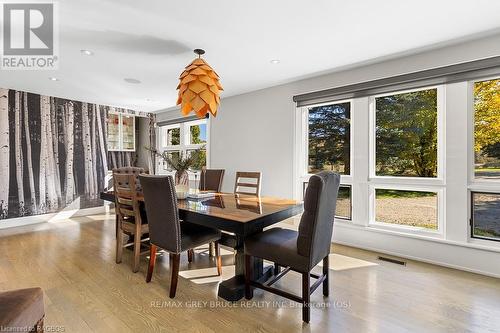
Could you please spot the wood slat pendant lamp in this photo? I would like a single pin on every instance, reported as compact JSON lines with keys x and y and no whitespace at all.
{"x":199,"y":88}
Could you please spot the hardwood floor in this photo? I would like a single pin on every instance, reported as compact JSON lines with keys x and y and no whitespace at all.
{"x":74,"y":262}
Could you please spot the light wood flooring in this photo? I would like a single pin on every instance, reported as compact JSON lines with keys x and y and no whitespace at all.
{"x":85,"y":291}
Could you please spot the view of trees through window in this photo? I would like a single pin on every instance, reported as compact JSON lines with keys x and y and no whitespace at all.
{"x":408,"y":208}
{"x":487,"y":129}
{"x":183,"y":139}
{"x":406,"y":134}
{"x":329,"y":138}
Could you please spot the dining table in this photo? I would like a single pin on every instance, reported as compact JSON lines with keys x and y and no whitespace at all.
{"x":237,"y":217}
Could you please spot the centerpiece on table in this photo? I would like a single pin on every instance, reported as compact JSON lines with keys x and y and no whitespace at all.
{"x":181,"y":163}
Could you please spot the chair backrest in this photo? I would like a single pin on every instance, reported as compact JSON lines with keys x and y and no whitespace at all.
{"x":162,"y":212}
{"x":316,"y":224}
{"x":126,"y":202}
{"x":136,"y":171}
{"x":211,"y":180}
{"x":254,"y":186}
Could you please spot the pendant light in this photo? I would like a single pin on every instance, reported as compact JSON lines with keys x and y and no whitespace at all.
{"x":199,"y":88}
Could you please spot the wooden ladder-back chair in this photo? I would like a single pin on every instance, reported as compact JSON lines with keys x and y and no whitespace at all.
{"x":130,"y":218}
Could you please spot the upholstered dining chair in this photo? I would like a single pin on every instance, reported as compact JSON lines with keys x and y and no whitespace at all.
{"x":166,"y":231}
{"x":299,"y":251}
{"x":254,"y":187}
{"x":131,"y":218}
{"x":211,"y":179}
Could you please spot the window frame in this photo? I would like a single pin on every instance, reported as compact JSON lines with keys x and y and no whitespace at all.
{"x":476,"y":185}
{"x":473,"y":180}
{"x":471,"y":219}
{"x":184,"y":142}
{"x":441,"y":145}
{"x":425,"y":184}
{"x":440,"y":206}
{"x":302,"y":143}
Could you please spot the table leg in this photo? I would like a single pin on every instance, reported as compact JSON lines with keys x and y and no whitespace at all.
{"x":234,"y":289}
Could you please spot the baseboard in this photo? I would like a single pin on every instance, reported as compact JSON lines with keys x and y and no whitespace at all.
{"x":52,"y":217}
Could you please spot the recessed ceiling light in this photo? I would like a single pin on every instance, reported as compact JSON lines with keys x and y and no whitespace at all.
{"x":275,"y":61}
{"x":87,"y":52}
{"x":133,"y":81}
{"x":53,"y":79}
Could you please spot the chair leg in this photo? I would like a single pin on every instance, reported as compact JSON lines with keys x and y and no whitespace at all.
{"x":119,"y":245}
{"x":218,"y":258}
{"x":277,"y":269}
{"x":190,"y":255}
{"x":174,"y":267}
{"x":117,"y":226}
{"x":211,"y":249}
{"x":152,"y":261}
{"x":248,"y":275}
{"x":306,"y":297}
{"x":137,"y":248}
{"x":326,"y":271}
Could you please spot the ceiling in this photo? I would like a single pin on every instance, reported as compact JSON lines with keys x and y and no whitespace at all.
{"x":152,"y":42}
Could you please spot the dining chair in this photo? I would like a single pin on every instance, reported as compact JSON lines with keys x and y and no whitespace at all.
{"x":131,"y":218}
{"x":254,"y":186}
{"x":211,"y":179}
{"x":167,"y":232}
{"x":136,"y":171}
{"x":299,"y":251}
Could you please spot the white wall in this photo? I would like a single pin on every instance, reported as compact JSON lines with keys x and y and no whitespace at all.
{"x":255,"y":132}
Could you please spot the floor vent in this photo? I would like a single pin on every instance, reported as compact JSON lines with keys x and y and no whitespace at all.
{"x":394,"y":261}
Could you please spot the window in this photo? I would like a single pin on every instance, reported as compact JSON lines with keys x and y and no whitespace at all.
{"x":406,"y":134}
{"x":487,"y":129}
{"x":330,"y":138}
{"x":183,"y":139}
{"x":406,"y":208}
{"x":198,"y":134}
{"x":485,"y":220}
{"x":172,"y":136}
{"x":406,"y":161}
{"x":344,"y":202}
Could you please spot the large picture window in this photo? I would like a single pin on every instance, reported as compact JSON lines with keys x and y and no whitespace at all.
{"x":406,"y":134}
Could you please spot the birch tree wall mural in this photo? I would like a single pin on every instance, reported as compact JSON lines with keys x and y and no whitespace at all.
{"x":53,"y":151}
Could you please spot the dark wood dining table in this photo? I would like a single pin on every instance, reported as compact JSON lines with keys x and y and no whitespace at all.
{"x":238,"y":217}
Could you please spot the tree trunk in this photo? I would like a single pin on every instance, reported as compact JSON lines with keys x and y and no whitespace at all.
{"x":50,"y":165}
{"x":4,"y":153}
{"x":70,"y":180}
{"x":55,"y":146}
{"x":27,"y":138}
{"x":94,"y":186}
{"x":86,"y":146}
{"x":102,"y":144}
{"x":42,"y":185}
{"x":19,"y":154}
